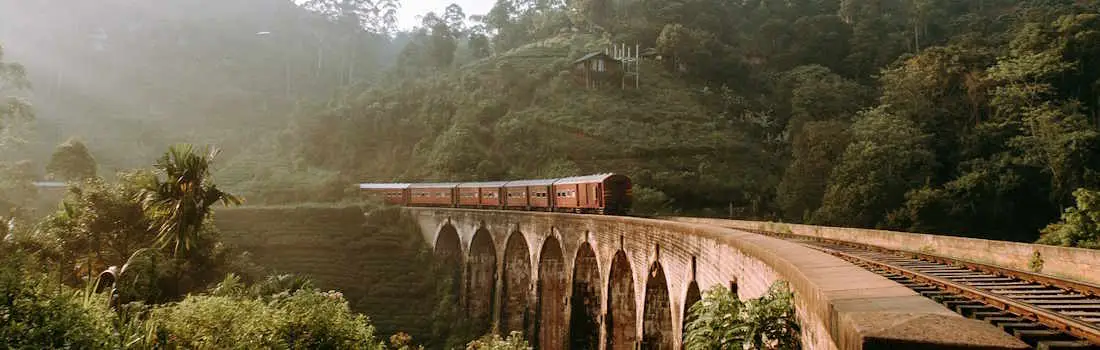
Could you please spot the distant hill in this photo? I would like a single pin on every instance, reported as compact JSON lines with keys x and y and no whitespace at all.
{"x":523,"y":114}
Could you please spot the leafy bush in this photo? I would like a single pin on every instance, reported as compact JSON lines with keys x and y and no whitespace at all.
{"x":36,"y":313}
{"x":721,"y":321}
{"x":1080,"y":225}
{"x":649,"y":201}
{"x":514,"y":341}
{"x":303,"y":319}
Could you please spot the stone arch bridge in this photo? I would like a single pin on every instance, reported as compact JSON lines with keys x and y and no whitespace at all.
{"x":607,"y":282}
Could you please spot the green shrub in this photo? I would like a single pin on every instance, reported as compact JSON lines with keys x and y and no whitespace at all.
{"x":36,"y":313}
{"x":514,"y":341}
{"x":721,"y":321}
{"x":648,"y":201}
{"x":323,"y":320}
{"x":1080,"y":225}
{"x":212,"y":322}
{"x":235,"y":317}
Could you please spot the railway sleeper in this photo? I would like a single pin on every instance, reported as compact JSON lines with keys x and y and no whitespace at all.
{"x":1011,"y":292}
{"x":1012,"y":327}
{"x":998,"y":321}
{"x":943,"y":299}
{"x":965,"y":274}
{"x":971,"y":311}
{"x":933,"y":294}
{"x":955,"y":305}
{"x":924,"y":288}
{"x":1034,"y":336}
{"x":985,"y":315}
{"x":1052,"y":296}
{"x":1065,"y":345}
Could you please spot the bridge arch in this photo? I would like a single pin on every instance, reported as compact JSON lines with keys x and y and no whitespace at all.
{"x":481,"y":280}
{"x":584,"y":302}
{"x":693,"y":296}
{"x":448,"y":253}
{"x":657,"y":312}
{"x":622,"y":328}
{"x":517,"y":285}
{"x":551,"y":332}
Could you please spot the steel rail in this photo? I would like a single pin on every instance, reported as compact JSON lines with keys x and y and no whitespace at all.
{"x":1083,"y":288}
{"x":1052,"y":319}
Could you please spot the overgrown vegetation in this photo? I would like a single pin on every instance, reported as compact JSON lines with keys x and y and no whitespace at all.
{"x":153,"y":229}
{"x":1080,"y":225}
{"x":931,"y":116}
{"x":513,"y":341}
{"x":721,"y":321}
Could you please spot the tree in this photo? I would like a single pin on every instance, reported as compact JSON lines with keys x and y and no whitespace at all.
{"x":17,"y":190}
{"x":13,"y":109}
{"x":815,"y":149}
{"x":179,"y":204}
{"x":98,"y":225}
{"x":455,"y":19}
{"x":375,"y":16}
{"x":1079,"y":226}
{"x":888,"y":156}
{"x":721,"y":321}
{"x":71,"y":161}
{"x":440,"y":40}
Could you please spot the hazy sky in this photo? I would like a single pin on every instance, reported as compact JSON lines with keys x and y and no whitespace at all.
{"x":412,"y":8}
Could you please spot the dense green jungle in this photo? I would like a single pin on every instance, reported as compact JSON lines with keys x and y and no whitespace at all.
{"x":976,"y":118}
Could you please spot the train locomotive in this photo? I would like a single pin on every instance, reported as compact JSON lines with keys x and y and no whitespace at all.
{"x":593,"y":194}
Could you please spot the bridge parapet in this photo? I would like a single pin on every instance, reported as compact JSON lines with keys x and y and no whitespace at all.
{"x":648,"y":271}
{"x":1070,"y":263}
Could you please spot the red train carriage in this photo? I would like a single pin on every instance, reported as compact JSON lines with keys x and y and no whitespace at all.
{"x":468,"y":195}
{"x":433,"y":194}
{"x":480,"y":194}
{"x":515,"y":196}
{"x":530,"y":194}
{"x":603,"y":193}
{"x":396,"y":194}
{"x":491,"y":194}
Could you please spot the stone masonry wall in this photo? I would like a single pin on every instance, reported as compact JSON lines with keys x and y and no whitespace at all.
{"x":840,"y":306}
{"x":1072,"y":263}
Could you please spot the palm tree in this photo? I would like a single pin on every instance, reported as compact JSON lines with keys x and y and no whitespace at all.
{"x":178,"y":205}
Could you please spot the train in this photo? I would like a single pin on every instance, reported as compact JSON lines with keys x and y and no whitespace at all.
{"x":607,"y":194}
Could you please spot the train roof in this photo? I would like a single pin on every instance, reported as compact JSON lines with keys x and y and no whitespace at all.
{"x":584,"y":179}
{"x":482,"y":184}
{"x":434,"y":185}
{"x":540,"y":182}
{"x":383,"y":186}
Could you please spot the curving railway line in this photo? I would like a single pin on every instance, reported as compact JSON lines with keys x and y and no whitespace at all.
{"x":1043,"y":311}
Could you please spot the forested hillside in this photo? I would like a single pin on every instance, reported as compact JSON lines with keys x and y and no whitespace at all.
{"x":968,"y":117}
{"x":131,"y":77}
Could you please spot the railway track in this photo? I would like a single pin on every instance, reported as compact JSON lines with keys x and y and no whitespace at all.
{"x":1044,"y":312}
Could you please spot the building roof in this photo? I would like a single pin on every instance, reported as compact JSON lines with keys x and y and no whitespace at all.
{"x":50,"y":184}
{"x":593,"y":55}
{"x":383,"y":186}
